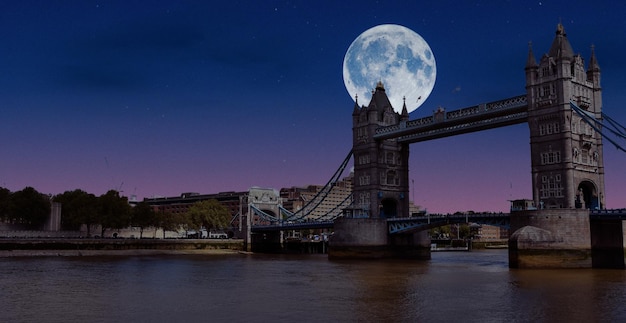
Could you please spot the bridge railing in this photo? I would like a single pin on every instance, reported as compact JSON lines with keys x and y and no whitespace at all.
{"x":425,"y":222}
{"x":614,"y":214}
{"x":483,"y":109}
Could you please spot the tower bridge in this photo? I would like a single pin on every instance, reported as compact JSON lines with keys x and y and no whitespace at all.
{"x":567,"y":227}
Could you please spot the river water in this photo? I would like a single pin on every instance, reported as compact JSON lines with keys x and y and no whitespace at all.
{"x":472,"y":286}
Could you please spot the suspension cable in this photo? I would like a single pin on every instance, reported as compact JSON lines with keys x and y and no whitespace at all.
{"x":323,"y":193}
{"x":588,"y":119}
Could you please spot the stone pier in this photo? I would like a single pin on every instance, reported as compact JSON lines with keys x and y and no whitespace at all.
{"x":364,"y":238}
{"x":564,"y":238}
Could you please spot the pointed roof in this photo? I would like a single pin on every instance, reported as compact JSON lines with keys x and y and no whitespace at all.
{"x":356,"y":108}
{"x":593,"y":62}
{"x":530,"y":61}
{"x":405,"y":111}
{"x":379,"y":98}
{"x":561,"y":47}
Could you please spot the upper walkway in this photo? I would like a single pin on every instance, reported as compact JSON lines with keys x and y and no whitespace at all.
{"x":444,"y":124}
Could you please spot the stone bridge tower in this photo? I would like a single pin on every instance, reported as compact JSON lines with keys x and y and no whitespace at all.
{"x":566,"y":152}
{"x":381,"y":183}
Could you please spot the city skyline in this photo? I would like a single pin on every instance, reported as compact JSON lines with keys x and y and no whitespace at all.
{"x":184,"y":96}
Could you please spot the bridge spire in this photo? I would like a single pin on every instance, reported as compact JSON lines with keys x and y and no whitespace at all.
{"x":356,"y":109}
{"x":530,"y":61}
{"x":405,"y":112}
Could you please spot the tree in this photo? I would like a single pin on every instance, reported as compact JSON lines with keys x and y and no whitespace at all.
{"x":113,"y":211}
{"x":171,"y":221}
{"x":77,"y":208}
{"x":209,"y":214}
{"x":464,"y":231}
{"x":5,"y":204}
{"x":30,"y":207}
{"x":143,"y":216}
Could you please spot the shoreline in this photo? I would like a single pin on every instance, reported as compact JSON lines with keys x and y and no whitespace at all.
{"x":116,"y":247}
{"x":127,"y":252}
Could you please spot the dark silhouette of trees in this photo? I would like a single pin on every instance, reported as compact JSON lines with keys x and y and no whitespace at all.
{"x":5,"y":204}
{"x":29,"y":208}
{"x":77,"y":208}
{"x":143,"y":216}
{"x":114,"y":212}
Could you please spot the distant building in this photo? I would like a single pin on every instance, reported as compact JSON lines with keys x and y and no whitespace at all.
{"x":180,"y":204}
{"x":489,"y":232}
{"x":296,"y":198}
{"x":522,"y":204}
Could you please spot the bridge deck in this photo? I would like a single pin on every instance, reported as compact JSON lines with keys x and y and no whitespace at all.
{"x":444,"y":124}
{"x":403,"y":225}
{"x":616,"y":214}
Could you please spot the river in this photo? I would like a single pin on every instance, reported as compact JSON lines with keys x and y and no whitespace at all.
{"x":472,"y":286}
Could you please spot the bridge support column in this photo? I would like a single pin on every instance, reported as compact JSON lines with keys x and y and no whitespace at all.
{"x":366,"y":238}
{"x":607,"y":243}
{"x":555,"y":238}
{"x":268,"y":242}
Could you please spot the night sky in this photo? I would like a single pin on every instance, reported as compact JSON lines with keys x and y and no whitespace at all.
{"x":156,"y":98}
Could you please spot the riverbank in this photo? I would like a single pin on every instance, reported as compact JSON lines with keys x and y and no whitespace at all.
{"x":116,"y":247}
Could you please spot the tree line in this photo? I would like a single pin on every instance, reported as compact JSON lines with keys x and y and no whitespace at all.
{"x":31,"y":209}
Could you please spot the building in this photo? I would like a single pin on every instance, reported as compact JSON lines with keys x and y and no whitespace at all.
{"x":180,"y":204}
{"x":297,"y":198}
{"x":490,"y":232}
{"x":522,"y":204}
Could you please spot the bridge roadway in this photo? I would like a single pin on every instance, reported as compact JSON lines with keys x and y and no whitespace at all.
{"x":425,"y":222}
{"x":444,"y":124}
{"x":399,"y":225}
{"x":614,"y":214}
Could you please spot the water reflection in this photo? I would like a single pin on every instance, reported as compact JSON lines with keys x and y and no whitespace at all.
{"x":472,"y":287}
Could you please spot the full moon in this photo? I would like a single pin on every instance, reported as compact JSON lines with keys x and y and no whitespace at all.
{"x":399,"y":58}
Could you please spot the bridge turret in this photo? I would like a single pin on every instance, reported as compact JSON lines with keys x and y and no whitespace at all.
{"x":593,"y":74}
{"x":531,"y":67}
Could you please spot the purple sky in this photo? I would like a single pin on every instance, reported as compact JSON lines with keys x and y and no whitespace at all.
{"x":156,"y":98}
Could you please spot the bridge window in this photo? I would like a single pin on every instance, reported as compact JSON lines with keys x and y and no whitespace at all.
{"x":364,"y":159}
{"x":361,"y":133}
{"x":552,"y":157}
{"x":390,"y":160}
{"x":551,"y":186}
{"x":364,"y":180}
{"x":392,"y":178}
{"x":364,"y":200}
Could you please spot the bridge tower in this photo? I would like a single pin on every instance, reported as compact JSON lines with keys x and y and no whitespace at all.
{"x":380,"y":189}
{"x":381,"y":183}
{"x":567,"y":167}
{"x":566,"y":153}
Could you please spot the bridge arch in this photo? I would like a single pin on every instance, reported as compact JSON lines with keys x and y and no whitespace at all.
{"x":388,"y":208}
{"x":587,"y":195}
